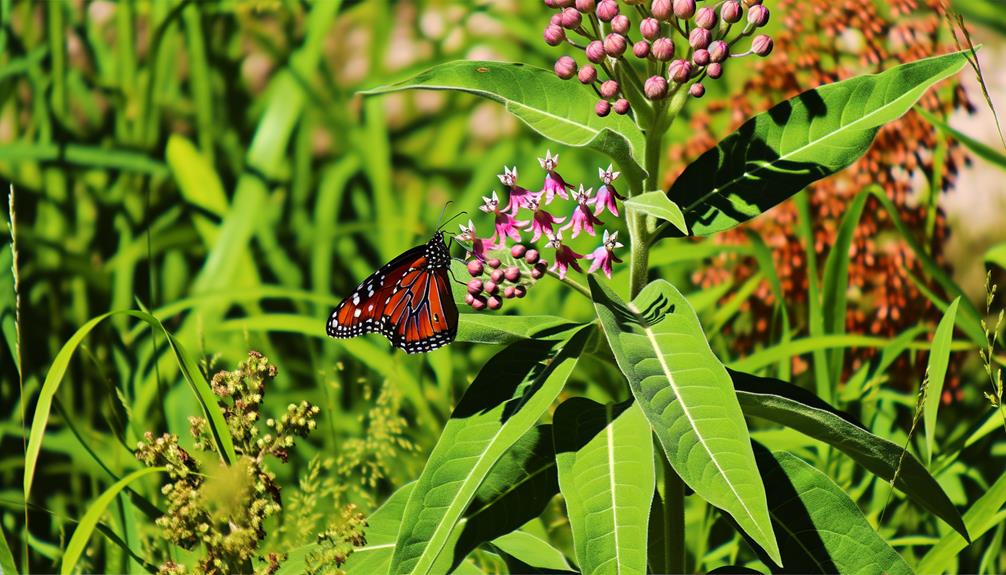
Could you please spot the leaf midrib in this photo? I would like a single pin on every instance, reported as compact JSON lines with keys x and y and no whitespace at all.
{"x":611,"y":483}
{"x":670,"y":380}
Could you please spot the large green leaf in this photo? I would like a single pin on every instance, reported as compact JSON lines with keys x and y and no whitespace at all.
{"x":939,"y":360}
{"x":820,"y":528}
{"x":506,"y":399}
{"x":606,"y":473}
{"x":686,"y":394}
{"x":815,"y":134}
{"x":658,"y":205}
{"x":797,"y":408}
{"x":562,"y":111}
{"x":532,"y":551}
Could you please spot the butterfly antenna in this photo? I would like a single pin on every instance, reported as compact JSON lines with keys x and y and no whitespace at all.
{"x":452,"y":218}
{"x":442,"y":212}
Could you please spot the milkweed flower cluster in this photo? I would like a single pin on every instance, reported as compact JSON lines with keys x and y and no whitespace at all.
{"x":542,"y":218}
{"x":655,"y":48}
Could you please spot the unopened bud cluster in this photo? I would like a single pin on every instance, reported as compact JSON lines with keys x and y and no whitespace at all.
{"x":337,"y":542}
{"x":651,"y":48}
{"x":223,"y":508}
{"x":499,"y":272}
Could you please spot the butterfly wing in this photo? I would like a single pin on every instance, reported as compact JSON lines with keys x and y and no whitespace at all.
{"x":422,"y":315}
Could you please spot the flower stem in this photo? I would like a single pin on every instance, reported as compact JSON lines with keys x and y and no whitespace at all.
{"x":674,"y":519}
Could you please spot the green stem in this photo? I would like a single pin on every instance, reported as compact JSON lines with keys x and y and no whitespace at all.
{"x":674,"y":519}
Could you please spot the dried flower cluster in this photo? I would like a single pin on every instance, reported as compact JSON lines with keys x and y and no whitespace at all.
{"x":677,"y":45}
{"x":337,"y":542}
{"x":824,"y":41}
{"x":223,"y":507}
{"x":524,"y":264}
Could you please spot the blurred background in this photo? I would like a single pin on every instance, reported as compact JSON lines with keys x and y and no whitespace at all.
{"x":214,"y":163}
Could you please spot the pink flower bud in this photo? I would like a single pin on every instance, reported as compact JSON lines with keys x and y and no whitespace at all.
{"x":469,"y":298}
{"x":565,"y":67}
{"x":585,"y":6}
{"x":520,"y":291}
{"x":620,"y":24}
{"x":705,"y":18}
{"x":518,"y":250}
{"x":479,"y":303}
{"x":609,"y":89}
{"x":496,"y":276}
{"x":614,"y":44}
{"x":621,"y":106}
{"x":697,"y":90}
{"x":699,"y":38}
{"x":649,"y":28}
{"x":571,"y":18}
{"x":595,"y":51}
{"x":556,"y":19}
{"x":700,"y":57}
{"x":554,"y":35}
{"x":491,"y":287}
{"x":762,"y":45}
{"x":587,"y":75}
{"x":475,"y":268}
{"x":731,"y":11}
{"x":550,"y":3}
{"x":714,"y":70}
{"x":495,"y":302}
{"x":475,"y":286}
{"x":680,"y":70}
{"x":512,"y":274}
{"x":563,"y":3}
{"x":641,"y":49}
{"x":663,"y":49}
{"x":661,"y":9}
{"x":603,"y":108}
{"x":494,"y":263}
{"x":607,"y":10}
{"x":757,"y":15}
{"x":718,"y":51}
{"x":655,"y":87}
{"x":538,"y":271}
{"x":684,"y":8}
{"x":508,"y":292}
{"x":531,"y":256}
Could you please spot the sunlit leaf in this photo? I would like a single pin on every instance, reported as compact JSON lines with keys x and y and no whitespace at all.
{"x":939,"y":360}
{"x":658,"y":205}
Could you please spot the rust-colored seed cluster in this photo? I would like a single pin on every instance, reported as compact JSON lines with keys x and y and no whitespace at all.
{"x":824,"y":41}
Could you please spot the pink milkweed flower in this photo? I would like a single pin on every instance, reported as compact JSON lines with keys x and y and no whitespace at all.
{"x":542,"y":221}
{"x":518,"y":195}
{"x":604,"y":255}
{"x":582,"y":218}
{"x":554,"y":184}
{"x":565,"y":257}
{"x":479,"y":245}
{"x":607,"y":193}
{"x":506,"y":225}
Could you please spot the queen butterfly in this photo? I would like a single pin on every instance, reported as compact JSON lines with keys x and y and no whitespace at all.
{"x":408,"y":300}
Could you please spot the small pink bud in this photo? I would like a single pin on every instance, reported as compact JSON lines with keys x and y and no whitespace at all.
{"x":509,"y":292}
{"x":705,"y":18}
{"x":538,"y":270}
{"x":609,"y":89}
{"x":475,"y":268}
{"x":614,"y":44}
{"x":714,"y":70}
{"x":518,"y":250}
{"x":475,"y":286}
{"x":497,"y":275}
{"x":662,"y":9}
{"x":551,"y":3}
{"x":585,"y":6}
{"x":491,"y":287}
{"x":602,"y":108}
{"x":607,"y":10}
{"x":479,"y":303}
{"x":655,"y":87}
{"x":531,"y":256}
{"x":595,"y":51}
{"x":700,"y":57}
{"x":699,"y":38}
{"x":757,"y":15}
{"x":663,"y":49}
{"x":565,"y":67}
{"x":680,"y":70}
{"x":684,"y":8}
{"x":731,"y":11}
{"x":697,"y":90}
{"x":520,"y":291}
{"x":649,"y":28}
{"x":641,"y":49}
{"x":571,"y":18}
{"x":469,"y":298}
{"x":621,"y":106}
{"x":762,"y":45}
{"x":718,"y":51}
{"x":493,"y":263}
{"x":563,"y":3}
{"x":554,"y":35}
{"x":587,"y":74}
{"x":512,"y":274}
{"x":556,"y":19}
{"x":495,"y":302}
{"x":620,"y":24}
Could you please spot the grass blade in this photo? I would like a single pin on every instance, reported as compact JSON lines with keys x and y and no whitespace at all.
{"x":939,"y":360}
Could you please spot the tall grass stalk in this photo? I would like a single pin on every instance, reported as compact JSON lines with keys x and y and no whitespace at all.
{"x":18,"y":356}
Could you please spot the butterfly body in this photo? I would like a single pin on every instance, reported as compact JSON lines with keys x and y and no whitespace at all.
{"x":407,"y":300}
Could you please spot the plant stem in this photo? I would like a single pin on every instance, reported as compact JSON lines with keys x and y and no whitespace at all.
{"x":674,"y":519}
